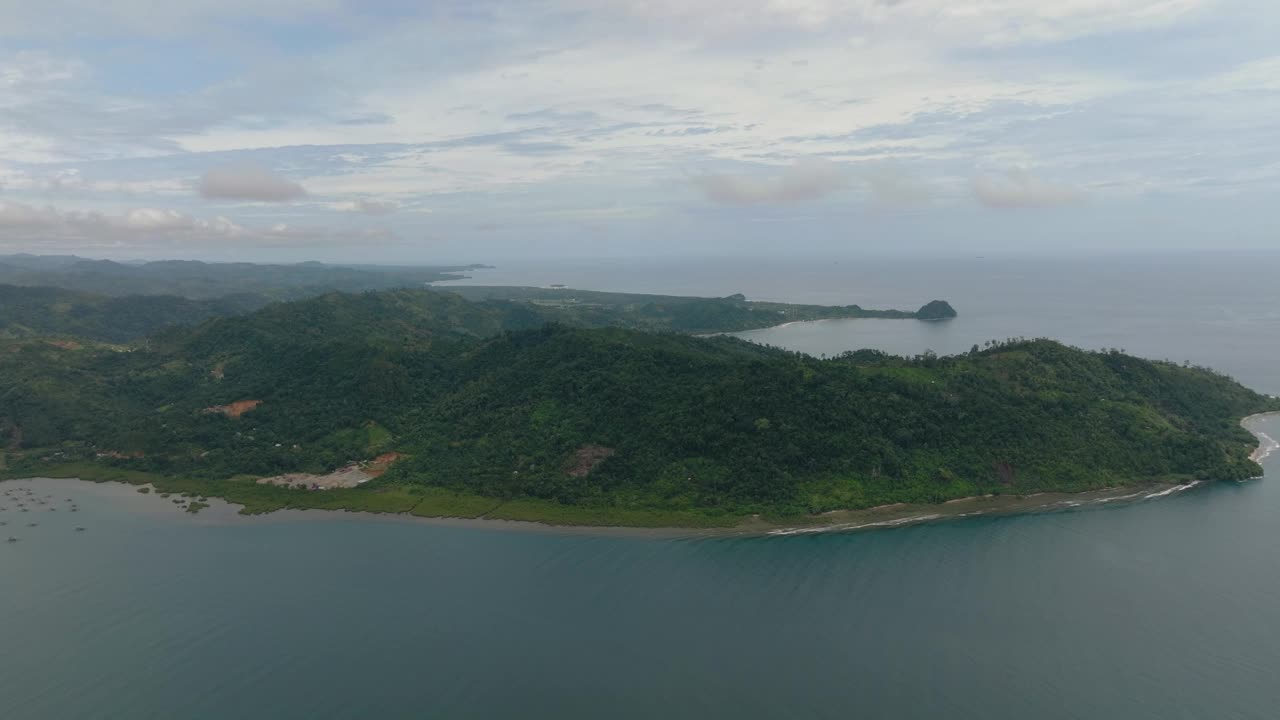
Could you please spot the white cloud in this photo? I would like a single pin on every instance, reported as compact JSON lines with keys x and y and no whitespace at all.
{"x":534,"y":112}
{"x":1019,"y":189}
{"x":153,"y":219}
{"x":21,"y":216}
{"x":65,"y":17}
{"x":367,"y":206}
{"x":806,"y":180}
{"x":248,"y":181}
{"x":991,"y":22}
{"x":30,"y":226}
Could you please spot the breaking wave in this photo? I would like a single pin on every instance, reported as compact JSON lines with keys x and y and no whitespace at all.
{"x":1172,"y":490}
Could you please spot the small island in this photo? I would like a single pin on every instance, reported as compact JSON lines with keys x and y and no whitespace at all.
{"x":936,"y":310}
{"x":589,"y":410}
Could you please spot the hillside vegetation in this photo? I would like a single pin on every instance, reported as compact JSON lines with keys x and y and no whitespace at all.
{"x":51,"y":312}
{"x":503,"y":414}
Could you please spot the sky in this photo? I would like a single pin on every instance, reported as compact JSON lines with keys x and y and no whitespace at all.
{"x":481,"y":130}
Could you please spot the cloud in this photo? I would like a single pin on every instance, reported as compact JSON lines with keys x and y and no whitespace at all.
{"x":154,"y":220}
{"x":22,"y":216}
{"x":20,"y":220}
{"x":806,"y":180}
{"x":1018,"y":189}
{"x":61,"y":17}
{"x":24,"y":226}
{"x":368,"y":207}
{"x":535,"y":107}
{"x":990,"y":22}
{"x":248,"y":181}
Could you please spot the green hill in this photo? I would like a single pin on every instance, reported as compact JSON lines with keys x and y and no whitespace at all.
{"x":45,"y":311}
{"x":496,"y":409}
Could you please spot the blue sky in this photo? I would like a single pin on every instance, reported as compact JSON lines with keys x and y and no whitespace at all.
{"x":398,"y":131}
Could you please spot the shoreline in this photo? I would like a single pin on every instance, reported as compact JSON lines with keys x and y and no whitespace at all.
{"x":222,"y":511}
{"x":1266,"y":443}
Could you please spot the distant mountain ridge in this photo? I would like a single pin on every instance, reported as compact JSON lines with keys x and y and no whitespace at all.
{"x":198,"y":280}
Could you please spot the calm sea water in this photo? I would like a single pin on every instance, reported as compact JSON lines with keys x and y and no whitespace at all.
{"x":1168,"y":608}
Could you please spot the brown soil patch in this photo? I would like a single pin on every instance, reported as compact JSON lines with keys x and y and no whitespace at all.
{"x":65,"y":344}
{"x":587,"y":458}
{"x":353,"y":475}
{"x":235,"y":409}
{"x":218,"y":371}
{"x":379,"y":465}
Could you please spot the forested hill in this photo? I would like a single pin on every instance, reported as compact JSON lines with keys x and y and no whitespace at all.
{"x":56,"y":312}
{"x":494,"y":408}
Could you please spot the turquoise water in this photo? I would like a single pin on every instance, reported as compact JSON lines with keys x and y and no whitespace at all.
{"x":1168,"y":608}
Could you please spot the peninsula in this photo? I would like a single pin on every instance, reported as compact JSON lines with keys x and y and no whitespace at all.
{"x":429,"y":403}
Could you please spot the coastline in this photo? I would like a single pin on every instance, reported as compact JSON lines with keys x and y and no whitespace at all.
{"x":224,"y":512}
{"x":1266,"y":443}
{"x":789,"y":323}
{"x":533,"y":516}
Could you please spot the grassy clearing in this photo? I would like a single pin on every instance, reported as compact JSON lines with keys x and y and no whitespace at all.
{"x":418,"y":501}
{"x":554,"y":513}
{"x":423,"y":501}
{"x":438,"y":502}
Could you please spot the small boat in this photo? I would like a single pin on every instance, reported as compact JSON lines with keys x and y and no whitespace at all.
{"x":79,"y":529}
{"x":13,"y":539}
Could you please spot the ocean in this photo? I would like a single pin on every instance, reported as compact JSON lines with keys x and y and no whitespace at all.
{"x":1164,"y":608}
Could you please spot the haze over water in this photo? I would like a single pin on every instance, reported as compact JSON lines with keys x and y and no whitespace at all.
{"x":1168,"y":608}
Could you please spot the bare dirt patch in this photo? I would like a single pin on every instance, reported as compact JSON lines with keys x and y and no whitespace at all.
{"x":235,"y":409}
{"x":377,"y":466}
{"x":219,"y":371}
{"x":65,"y":344}
{"x":347,"y":477}
{"x":350,"y":476}
{"x":588,"y":458}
